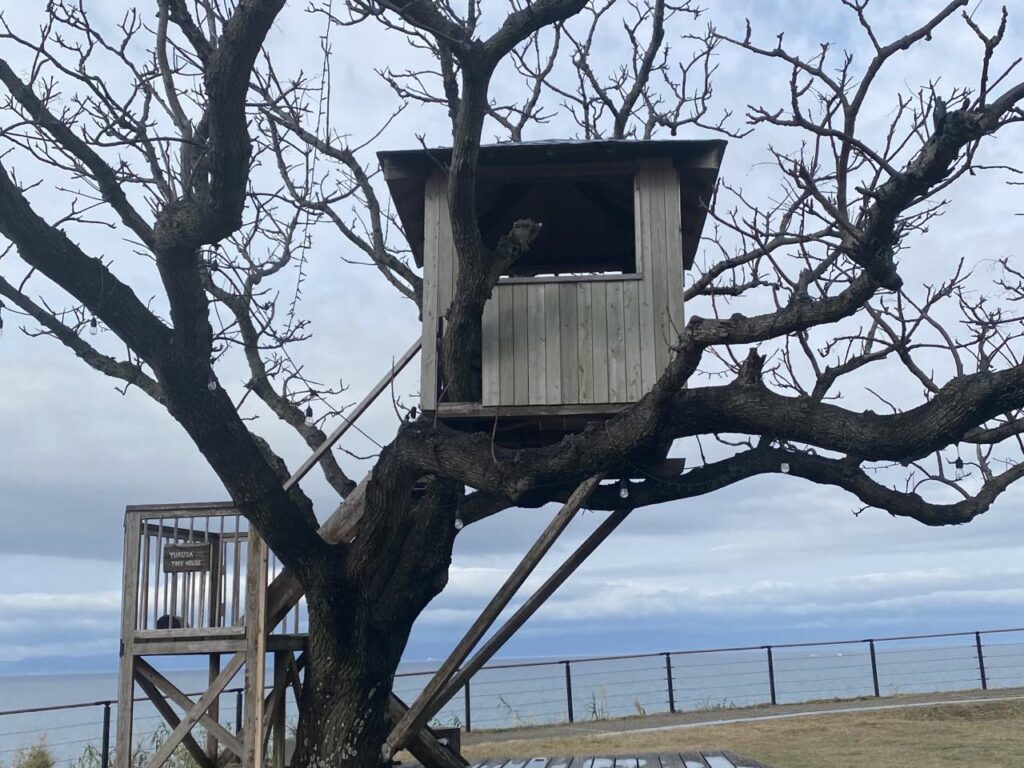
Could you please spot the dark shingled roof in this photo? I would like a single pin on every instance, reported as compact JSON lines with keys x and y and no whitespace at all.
{"x":406,"y":172}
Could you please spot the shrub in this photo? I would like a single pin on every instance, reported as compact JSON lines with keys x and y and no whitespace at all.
{"x":36,"y":756}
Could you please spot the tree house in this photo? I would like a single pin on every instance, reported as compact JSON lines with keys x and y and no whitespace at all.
{"x":581,"y":326}
{"x":586,"y":321}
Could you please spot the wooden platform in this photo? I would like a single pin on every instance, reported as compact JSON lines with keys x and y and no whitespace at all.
{"x":708,"y":759}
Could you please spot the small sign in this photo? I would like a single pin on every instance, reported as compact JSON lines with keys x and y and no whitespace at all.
{"x":186,"y":558}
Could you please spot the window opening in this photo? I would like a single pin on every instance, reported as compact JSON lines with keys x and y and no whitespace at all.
{"x":588,"y":225}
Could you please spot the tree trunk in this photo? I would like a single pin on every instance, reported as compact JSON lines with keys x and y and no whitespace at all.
{"x":350,"y":668}
{"x":362,"y":607}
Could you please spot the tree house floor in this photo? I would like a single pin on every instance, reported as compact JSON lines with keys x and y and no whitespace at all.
{"x":521,"y":426}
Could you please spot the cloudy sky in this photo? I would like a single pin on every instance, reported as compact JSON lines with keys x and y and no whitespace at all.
{"x":770,"y":560}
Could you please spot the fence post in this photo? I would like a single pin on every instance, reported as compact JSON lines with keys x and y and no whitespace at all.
{"x":981,"y":661}
{"x":668,"y":680}
{"x":568,"y":690}
{"x":105,"y":754}
{"x":238,"y":710}
{"x":771,"y":674}
{"x":465,"y":696}
{"x":874,"y":668}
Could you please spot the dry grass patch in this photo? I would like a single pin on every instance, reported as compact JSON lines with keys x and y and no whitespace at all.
{"x":990,"y":735}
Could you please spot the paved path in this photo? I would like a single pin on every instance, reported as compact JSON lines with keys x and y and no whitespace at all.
{"x":667,"y":721}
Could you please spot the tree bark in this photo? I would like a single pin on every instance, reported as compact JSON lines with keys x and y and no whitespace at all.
{"x":350,"y":667}
{"x":362,"y":602}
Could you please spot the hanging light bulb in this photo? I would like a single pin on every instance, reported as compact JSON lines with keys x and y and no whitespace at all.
{"x":212,"y":384}
{"x":959,"y":465}
{"x":624,"y":488}
{"x":784,"y":467}
{"x":94,"y":327}
{"x":459,"y":525}
{"x":309,"y":416}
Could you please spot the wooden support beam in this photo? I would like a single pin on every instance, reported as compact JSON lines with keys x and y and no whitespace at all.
{"x":423,"y":744}
{"x":168,"y":713}
{"x":285,"y":591}
{"x":277,"y":710}
{"x":165,"y":750}
{"x":365,"y":403}
{"x":213,"y":664}
{"x":491,"y":412}
{"x":212,"y":746}
{"x":129,"y":606}
{"x":418,"y":714}
{"x":293,"y":675}
{"x":255,"y":651}
{"x":144,"y":670}
{"x":527,"y":609}
{"x":273,"y":710}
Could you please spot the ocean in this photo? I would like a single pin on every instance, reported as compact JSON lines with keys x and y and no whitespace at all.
{"x":523,"y":692}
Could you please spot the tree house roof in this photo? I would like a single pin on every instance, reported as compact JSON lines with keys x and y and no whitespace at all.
{"x":406,"y":172}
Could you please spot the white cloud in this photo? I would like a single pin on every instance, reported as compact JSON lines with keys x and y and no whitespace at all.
{"x":61,"y":602}
{"x":777,"y":553}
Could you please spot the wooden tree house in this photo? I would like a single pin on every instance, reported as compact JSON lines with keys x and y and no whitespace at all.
{"x":586,"y":321}
{"x":579,"y":328}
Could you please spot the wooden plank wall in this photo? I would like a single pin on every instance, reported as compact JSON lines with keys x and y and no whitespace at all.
{"x":551,"y":342}
{"x":555,"y":343}
{"x":440,"y":271}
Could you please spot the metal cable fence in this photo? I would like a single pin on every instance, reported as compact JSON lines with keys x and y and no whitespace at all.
{"x":596,"y":688}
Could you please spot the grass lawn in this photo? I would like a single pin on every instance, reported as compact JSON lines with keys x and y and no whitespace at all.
{"x":989,"y":735}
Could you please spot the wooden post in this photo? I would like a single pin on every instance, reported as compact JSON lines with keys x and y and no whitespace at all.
{"x":280,"y":686}
{"x":419,"y":713}
{"x":255,"y":650}
{"x":126,"y":676}
{"x":211,"y":740}
{"x":238,"y":712}
{"x":213,"y":598}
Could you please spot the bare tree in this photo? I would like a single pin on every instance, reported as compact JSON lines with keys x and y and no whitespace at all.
{"x":168,"y":163}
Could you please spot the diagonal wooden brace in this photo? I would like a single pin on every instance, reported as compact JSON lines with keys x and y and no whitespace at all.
{"x":145,"y":670}
{"x":494,"y":643}
{"x":195,"y":714}
{"x":172,"y":720}
{"x":419,"y":713}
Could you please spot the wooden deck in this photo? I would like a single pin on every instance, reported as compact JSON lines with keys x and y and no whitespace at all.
{"x":708,"y":759}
